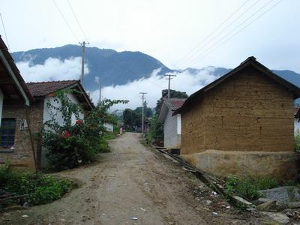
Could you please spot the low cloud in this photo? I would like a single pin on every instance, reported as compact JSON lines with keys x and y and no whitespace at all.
{"x":52,"y":69}
{"x":154,"y":85}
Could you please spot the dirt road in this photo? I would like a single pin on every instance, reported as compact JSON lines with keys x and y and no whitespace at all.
{"x":133,"y":185}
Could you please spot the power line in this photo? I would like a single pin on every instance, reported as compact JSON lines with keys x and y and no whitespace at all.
{"x":79,"y":25}
{"x":62,"y":15}
{"x":4,"y":31}
{"x":169,"y":85}
{"x":224,"y":29}
{"x":244,"y":27}
{"x":211,"y":33}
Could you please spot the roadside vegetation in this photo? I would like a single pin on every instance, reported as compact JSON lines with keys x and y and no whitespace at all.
{"x":70,"y":145}
{"x":29,"y":189}
{"x":248,"y":188}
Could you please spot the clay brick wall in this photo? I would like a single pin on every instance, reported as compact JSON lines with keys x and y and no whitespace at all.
{"x":21,"y":155}
{"x":247,"y":112}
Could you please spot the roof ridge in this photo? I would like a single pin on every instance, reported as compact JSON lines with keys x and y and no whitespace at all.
{"x":53,"y":81}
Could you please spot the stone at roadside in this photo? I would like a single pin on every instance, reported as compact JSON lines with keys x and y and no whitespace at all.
{"x":207,"y":202}
{"x":282,"y":194}
{"x":262,"y":200}
{"x":267,"y":206}
{"x":241,"y":200}
{"x":278,"y":217}
{"x":293,"y":205}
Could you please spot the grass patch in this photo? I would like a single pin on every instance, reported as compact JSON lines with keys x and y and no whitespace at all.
{"x":247,"y":188}
{"x":40,"y":189}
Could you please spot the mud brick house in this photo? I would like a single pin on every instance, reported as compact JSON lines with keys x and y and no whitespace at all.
{"x":242,"y":124}
{"x":172,"y":124}
{"x":19,"y":152}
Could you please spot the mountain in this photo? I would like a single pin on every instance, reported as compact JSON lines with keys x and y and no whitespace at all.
{"x":118,"y":68}
{"x":114,"y":68}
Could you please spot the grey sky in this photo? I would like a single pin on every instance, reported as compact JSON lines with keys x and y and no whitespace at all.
{"x":164,"y":29}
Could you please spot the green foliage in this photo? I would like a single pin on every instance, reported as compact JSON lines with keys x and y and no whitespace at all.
{"x":131,"y":119}
{"x":40,"y":189}
{"x":70,"y":145}
{"x":297,"y":141}
{"x":155,"y":134}
{"x":248,"y":189}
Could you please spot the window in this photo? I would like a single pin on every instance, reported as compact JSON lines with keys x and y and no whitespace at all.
{"x":8,"y":130}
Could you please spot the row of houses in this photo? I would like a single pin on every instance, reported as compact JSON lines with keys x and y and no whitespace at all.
{"x":241,"y":124}
{"x":24,"y":110}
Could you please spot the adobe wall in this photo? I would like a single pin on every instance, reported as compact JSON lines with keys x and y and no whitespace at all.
{"x":21,"y":155}
{"x":247,"y":112}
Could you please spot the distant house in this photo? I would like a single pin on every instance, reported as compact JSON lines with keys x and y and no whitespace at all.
{"x":242,"y":124}
{"x":172,"y":124}
{"x":19,"y":151}
{"x":109,"y":127}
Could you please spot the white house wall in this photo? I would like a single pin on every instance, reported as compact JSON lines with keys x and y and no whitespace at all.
{"x":296,"y":125}
{"x":47,"y":116}
{"x":171,"y":136}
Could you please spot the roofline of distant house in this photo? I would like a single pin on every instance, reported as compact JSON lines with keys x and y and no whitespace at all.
{"x":249,"y":61}
{"x":14,"y":73}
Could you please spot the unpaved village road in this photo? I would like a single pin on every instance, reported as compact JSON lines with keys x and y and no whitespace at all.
{"x":133,"y":181}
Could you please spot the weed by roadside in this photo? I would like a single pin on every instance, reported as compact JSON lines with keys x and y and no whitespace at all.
{"x":247,"y":188}
{"x":36,"y":189}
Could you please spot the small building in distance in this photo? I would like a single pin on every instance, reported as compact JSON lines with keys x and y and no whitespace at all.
{"x":172,"y":124}
{"x":242,"y":124}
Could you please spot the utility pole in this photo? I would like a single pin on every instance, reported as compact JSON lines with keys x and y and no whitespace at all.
{"x":82,"y":62}
{"x":169,"y":78}
{"x":143,"y":97}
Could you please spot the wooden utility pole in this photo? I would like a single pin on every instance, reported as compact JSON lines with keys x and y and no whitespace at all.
{"x":82,"y":62}
{"x":143,"y":100}
{"x":169,"y":78}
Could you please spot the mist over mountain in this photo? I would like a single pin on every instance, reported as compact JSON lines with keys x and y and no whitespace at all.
{"x":113,"y":68}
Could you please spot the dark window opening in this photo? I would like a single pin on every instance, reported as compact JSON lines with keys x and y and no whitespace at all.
{"x":8,"y":130}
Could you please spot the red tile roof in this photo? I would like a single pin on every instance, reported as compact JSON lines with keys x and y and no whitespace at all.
{"x":39,"y":89}
{"x":174,"y":103}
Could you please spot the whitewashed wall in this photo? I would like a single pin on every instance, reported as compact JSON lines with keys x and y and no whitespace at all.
{"x":296,"y":125}
{"x":109,"y":127}
{"x":172,"y":131}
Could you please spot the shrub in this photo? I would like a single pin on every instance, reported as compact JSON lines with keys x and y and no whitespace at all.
{"x":40,"y":189}
{"x":247,"y":188}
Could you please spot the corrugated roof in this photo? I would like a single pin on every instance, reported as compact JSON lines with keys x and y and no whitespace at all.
{"x":39,"y":89}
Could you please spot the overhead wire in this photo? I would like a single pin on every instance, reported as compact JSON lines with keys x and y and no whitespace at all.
{"x":76,"y":18}
{"x":214,"y":47}
{"x":220,"y":32}
{"x":4,"y":31}
{"x":65,"y":20}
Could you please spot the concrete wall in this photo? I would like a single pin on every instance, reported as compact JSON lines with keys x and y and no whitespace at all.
{"x":246,"y":113}
{"x":172,"y":137}
{"x":21,"y":154}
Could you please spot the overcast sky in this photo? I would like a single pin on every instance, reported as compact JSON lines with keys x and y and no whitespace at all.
{"x":165,"y":29}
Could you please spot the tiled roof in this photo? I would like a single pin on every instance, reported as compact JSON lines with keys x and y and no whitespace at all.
{"x":174,"y":103}
{"x":40,"y":89}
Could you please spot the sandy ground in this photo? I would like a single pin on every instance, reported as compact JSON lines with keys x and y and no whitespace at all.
{"x":133,"y":181}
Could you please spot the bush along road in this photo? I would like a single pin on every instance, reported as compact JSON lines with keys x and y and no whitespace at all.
{"x":134,"y":185}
